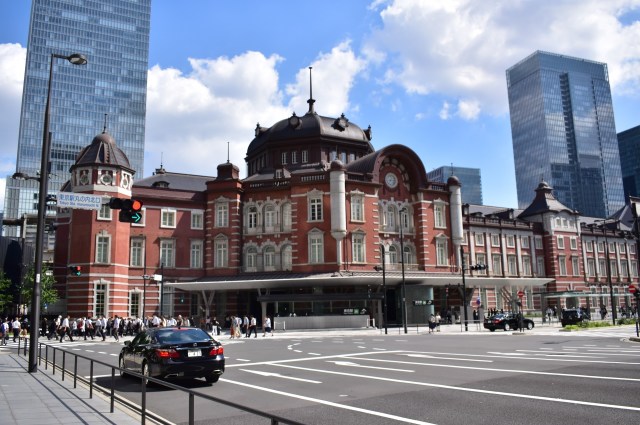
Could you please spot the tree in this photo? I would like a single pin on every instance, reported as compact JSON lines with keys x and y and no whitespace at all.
{"x":48,"y":295}
{"x":6,"y":296}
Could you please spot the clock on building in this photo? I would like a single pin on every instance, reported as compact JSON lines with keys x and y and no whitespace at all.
{"x":106,"y":179}
{"x":391,"y":180}
{"x":84,"y":179}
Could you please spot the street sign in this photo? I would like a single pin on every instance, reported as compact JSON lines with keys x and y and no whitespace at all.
{"x":80,"y":201}
{"x":423,"y":302}
{"x":520,"y":294}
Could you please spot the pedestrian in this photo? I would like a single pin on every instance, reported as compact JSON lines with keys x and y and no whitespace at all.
{"x":216,"y":326}
{"x":267,"y":326}
{"x":65,"y":329}
{"x":15,"y":326}
{"x":438,"y":320}
{"x":432,"y":323}
{"x":245,"y":325}
{"x":252,"y":327}
{"x":116,"y":327}
{"x":4,"y":328}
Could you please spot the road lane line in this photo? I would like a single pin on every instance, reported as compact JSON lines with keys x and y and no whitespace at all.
{"x":426,"y":356}
{"x":330,"y":403}
{"x":528,"y":372}
{"x":469,"y":390}
{"x":520,"y":356}
{"x":277,"y":375}
{"x":304,"y":359}
{"x":351,"y":364}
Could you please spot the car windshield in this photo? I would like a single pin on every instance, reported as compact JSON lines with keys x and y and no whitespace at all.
{"x":179,"y":336}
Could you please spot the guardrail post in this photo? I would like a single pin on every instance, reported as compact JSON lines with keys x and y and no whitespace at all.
{"x":191,"y":408}
{"x":113,"y":390}
{"x":91,"y":379}
{"x":46,"y":357}
{"x":64,"y":359}
{"x":75,"y":370}
{"x":143,"y":402}
{"x":53,"y":365}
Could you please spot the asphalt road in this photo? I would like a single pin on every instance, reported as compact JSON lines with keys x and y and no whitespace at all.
{"x":496,"y":378}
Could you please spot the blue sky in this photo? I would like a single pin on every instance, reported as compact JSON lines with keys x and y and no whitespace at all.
{"x":429,"y":74}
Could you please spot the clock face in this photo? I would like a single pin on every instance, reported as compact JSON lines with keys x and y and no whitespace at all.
{"x":84,"y":179}
{"x":106,"y":179}
{"x":391,"y":180}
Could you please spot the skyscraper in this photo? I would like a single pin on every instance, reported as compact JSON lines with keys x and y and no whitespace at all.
{"x":110,"y":90}
{"x":629,"y":145}
{"x":469,"y":179}
{"x":563,"y":131}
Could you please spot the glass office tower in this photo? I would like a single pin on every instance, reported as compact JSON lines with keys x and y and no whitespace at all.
{"x":629,"y":145}
{"x":111,"y":88}
{"x":469,"y":179}
{"x":564,"y":133}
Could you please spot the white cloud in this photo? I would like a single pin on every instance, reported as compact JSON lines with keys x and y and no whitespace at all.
{"x":468,"y":109}
{"x":444,"y":112}
{"x":462,"y":48}
{"x":191,"y":117}
{"x":12,"y":60}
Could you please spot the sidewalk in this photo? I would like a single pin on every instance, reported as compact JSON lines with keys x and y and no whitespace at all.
{"x":38,"y":398}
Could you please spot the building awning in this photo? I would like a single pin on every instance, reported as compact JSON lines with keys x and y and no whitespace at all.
{"x":355,"y":279}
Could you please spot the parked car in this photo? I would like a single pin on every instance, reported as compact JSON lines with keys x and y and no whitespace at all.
{"x":507,"y":322}
{"x":173,"y":352}
{"x":573,"y":316}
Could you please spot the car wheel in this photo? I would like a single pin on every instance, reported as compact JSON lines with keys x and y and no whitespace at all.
{"x":145,"y":373}
{"x":507,"y":327}
{"x":492,"y":329}
{"x":212,"y":379}
{"x":529,"y":325}
{"x":123,"y":374}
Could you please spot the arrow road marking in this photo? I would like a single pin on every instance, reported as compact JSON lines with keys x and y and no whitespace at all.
{"x":277,"y":375}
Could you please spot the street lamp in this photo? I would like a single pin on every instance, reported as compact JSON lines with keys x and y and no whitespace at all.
{"x":403,"y":288}
{"x":464,"y":286}
{"x":603,"y":226}
{"x":384,"y":287}
{"x":75,"y":59}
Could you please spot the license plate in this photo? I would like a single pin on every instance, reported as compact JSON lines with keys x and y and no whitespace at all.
{"x":194,"y":353}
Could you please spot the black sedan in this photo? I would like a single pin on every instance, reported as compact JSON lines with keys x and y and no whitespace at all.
{"x":173,"y":352}
{"x":507,"y":322}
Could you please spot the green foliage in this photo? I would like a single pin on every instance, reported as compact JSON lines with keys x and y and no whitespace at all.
{"x":6,"y":297}
{"x":626,"y":321}
{"x":48,"y":295}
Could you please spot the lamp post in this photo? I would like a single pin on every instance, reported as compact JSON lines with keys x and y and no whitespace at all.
{"x":464,"y":285}
{"x":403,"y":288}
{"x":75,"y":59}
{"x":603,"y":226}
{"x":384,"y":287}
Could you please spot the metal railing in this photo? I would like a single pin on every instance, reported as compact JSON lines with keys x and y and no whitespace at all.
{"x":145,"y":380}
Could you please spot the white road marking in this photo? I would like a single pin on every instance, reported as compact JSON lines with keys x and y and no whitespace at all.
{"x":314,"y":354}
{"x":426,"y":356}
{"x":527,"y":372}
{"x":243,"y":360}
{"x":471,"y":390}
{"x":502,"y":356}
{"x":277,"y":375}
{"x":352,"y":364}
{"x":330,"y":403}
{"x":298,"y":351}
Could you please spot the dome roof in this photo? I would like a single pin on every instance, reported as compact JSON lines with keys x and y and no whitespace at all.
{"x":310,"y":125}
{"x":103,"y":150}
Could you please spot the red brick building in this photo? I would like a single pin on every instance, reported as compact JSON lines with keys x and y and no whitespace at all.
{"x":302,"y":233}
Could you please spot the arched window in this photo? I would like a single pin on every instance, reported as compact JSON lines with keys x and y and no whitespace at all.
{"x":390,"y":218}
{"x":269,"y":258}
{"x":270,"y":218}
{"x":286,"y":217}
{"x":251,"y":263}
{"x":252,"y":218}
{"x":393,"y":254}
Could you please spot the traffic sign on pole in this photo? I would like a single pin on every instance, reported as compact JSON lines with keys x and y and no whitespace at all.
{"x":633,"y":289}
{"x":520,"y":294}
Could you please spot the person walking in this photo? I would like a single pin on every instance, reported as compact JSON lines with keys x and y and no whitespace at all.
{"x":65,"y":329}
{"x":432,"y":323}
{"x":267,"y":326}
{"x":4,"y":329}
{"x":116,"y":328}
{"x":15,"y":326}
{"x":252,"y":327}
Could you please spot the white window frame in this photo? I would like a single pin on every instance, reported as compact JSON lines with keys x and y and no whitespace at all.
{"x":100,"y":297}
{"x":511,"y":241}
{"x":197,"y":219}
{"x":104,"y":213}
{"x":195,"y":257}
{"x":168,"y":252}
{"x":481,"y":258}
{"x":540,"y":267}
{"x":512,"y":265}
{"x":562,"y":265}
{"x":221,"y":246}
{"x":633,"y":265}
{"x":358,"y":248}
{"x":284,"y":158}
{"x":294,"y":157}
{"x":269,"y":258}
{"x":495,"y":239}
{"x":588,"y":246}
{"x":538,"y":242}
{"x":525,"y":242}
{"x":222,"y":214}
{"x":591,"y":267}
{"x":439,"y":219}
{"x":305,"y":156}
{"x":252,"y":218}
{"x":357,"y":208}
{"x":315,"y":208}
{"x":286,"y":216}
{"x":560,"y":241}
{"x":316,"y":248}
{"x":168,"y":218}
{"x":622,"y":248}
{"x":496,"y":262}
{"x":442,"y":251}
{"x":287,"y":258}
{"x":251,"y":259}
{"x":575,"y":265}
{"x":392,"y":254}
{"x":479,"y":238}
{"x":136,"y":252}
{"x":103,"y":248}
{"x":526,"y":265}
{"x":573,"y":243}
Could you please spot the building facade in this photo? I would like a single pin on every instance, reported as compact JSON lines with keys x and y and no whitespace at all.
{"x":629,"y":146}
{"x":110,"y":88}
{"x":469,"y":179}
{"x":563,"y":131}
{"x":322,"y":232}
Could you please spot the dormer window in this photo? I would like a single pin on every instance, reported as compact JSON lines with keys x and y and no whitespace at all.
{"x":161,"y":183}
{"x":342,"y":123}
{"x":294,"y":121}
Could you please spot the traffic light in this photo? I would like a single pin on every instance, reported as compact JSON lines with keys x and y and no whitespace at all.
{"x":130,"y":209}
{"x":478,"y":267}
{"x":75,"y":270}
